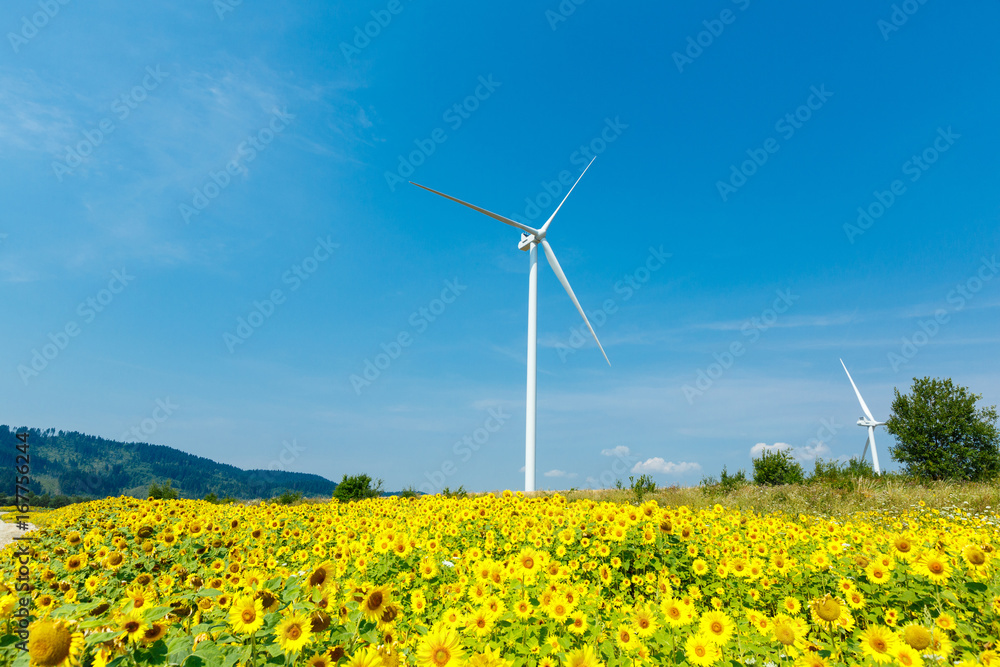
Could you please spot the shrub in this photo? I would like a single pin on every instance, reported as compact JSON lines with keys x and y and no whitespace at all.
{"x":164,"y":491}
{"x":726,"y":483}
{"x":409,"y":492}
{"x":843,"y":476}
{"x":642,"y":486}
{"x":357,"y":487}
{"x":776,"y":467}
{"x":460,"y":492}
{"x":289,"y":497}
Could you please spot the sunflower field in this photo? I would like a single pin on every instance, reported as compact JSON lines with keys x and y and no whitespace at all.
{"x":498,"y":581}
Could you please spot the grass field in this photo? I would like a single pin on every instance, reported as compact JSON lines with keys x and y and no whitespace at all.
{"x":880,"y":574}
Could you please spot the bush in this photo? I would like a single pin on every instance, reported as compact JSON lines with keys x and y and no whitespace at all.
{"x":642,"y":486}
{"x":289,"y":497}
{"x":409,"y":492}
{"x":941,"y":435}
{"x":843,"y":476}
{"x":164,"y":491}
{"x":357,"y":487}
{"x":726,"y":483}
{"x":776,"y":467}
{"x":211,"y":498}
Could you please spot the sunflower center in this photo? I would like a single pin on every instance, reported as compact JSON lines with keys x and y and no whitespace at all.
{"x":529,"y":563}
{"x":248,"y":615}
{"x":294,"y":632}
{"x":699,"y":651}
{"x":441,"y":656}
{"x":936,"y":567}
{"x":879,"y":644}
{"x":784,"y":635}
{"x":716,"y":627}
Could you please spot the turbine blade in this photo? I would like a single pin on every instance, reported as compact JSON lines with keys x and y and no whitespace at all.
{"x":547,"y":222}
{"x":554,"y":263}
{"x":865,"y":453}
{"x":860,"y":400}
{"x":506,"y":221}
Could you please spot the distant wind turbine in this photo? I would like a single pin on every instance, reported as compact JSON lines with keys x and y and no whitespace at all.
{"x":868,"y":421}
{"x":530,"y":240}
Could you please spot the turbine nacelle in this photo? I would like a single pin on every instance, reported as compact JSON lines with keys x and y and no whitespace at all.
{"x":864,"y":421}
{"x":528,"y":239}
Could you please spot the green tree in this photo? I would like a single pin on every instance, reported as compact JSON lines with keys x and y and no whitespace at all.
{"x":776,"y":467}
{"x":357,"y":487}
{"x":942,"y":435}
{"x":164,"y":491}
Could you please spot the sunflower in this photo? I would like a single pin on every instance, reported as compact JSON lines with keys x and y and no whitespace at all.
{"x":933,"y":566}
{"x":716,"y":626}
{"x":578,"y":623}
{"x":155,"y":632}
{"x":366,"y":657}
{"x":908,"y":657}
{"x":375,"y":601}
{"x":702,"y":650}
{"x":246,"y":615}
{"x":877,"y":573}
{"x":827,"y":608}
{"x":582,"y":657}
{"x":879,"y":644}
{"x":294,"y":632}
{"x":809,"y":659}
{"x":676,"y":612}
{"x":133,"y":626}
{"x":626,"y":639}
{"x":76,"y":562}
{"x":53,"y":643}
{"x":791,"y":605}
{"x":644,"y":621}
{"x":440,"y":648}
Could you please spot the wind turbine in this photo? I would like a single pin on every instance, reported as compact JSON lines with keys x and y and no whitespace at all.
{"x":530,"y":240}
{"x":867,"y":420}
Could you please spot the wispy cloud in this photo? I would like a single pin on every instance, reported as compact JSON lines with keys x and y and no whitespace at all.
{"x":659,"y":465}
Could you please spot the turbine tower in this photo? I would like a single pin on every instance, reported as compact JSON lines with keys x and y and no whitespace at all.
{"x":867,"y":421}
{"x":530,"y":240}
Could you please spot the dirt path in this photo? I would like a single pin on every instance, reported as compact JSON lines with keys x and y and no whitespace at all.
{"x":8,"y":531}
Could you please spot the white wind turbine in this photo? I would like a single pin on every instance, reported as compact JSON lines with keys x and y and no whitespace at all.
{"x":530,"y":240}
{"x":867,"y":420}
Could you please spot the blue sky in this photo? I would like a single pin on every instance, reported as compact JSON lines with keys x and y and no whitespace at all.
{"x":797,"y":183}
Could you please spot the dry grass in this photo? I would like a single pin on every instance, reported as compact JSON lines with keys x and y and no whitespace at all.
{"x":889,"y":497}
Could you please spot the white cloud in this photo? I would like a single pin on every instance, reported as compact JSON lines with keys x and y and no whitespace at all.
{"x":811,"y":453}
{"x":560,"y":473}
{"x":761,"y":447}
{"x":657,"y":464}
{"x":620,"y":450}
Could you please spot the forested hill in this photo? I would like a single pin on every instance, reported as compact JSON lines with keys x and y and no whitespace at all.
{"x":74,"y":464}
